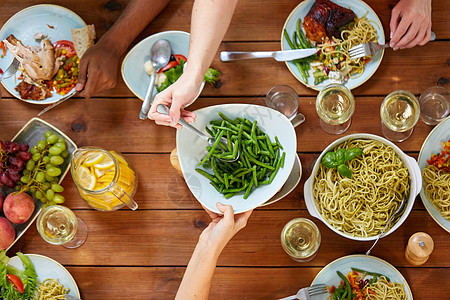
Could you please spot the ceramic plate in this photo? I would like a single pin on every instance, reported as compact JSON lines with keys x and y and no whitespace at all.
{"x":359,"y":8}
{"x":48,"y":268}
{"x":29,"y":21}
{"x":344,"y":264}
{"x":191,"y":149}
{"x":133,"y":72}
{"x":431,"y":145}
{"x":31,"y":133}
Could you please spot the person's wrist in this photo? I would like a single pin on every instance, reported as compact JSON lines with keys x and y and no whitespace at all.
{"x":194,"y":72}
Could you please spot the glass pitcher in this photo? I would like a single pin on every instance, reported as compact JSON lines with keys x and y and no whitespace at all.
{"x":105,"y":179}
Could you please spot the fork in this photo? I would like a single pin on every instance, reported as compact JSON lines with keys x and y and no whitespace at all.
{"x":12,"y":69}
{"x":307,"y":292}
{"x":370,"y":48}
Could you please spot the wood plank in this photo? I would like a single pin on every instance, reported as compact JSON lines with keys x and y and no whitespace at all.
{"x":145,"y":237}
{"x":230,"y":283}
{"x":114,"y":123}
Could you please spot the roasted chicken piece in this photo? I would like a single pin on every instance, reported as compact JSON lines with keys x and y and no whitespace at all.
{"x":324,"y":20}
{"x":38,"y":62}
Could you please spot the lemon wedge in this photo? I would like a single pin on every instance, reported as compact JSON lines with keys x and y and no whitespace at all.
{"x":105,"y":165}
{"x":86,"y":178}
{"x":94,"y":158}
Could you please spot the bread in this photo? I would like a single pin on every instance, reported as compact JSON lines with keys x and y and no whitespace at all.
{"x":83,"y":38}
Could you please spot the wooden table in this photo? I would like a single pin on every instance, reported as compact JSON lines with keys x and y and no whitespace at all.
{"x":142,"y":254}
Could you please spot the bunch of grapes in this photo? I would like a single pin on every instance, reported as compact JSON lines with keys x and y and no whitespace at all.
{"x":42,"y":171}
{"x":13,"y":157}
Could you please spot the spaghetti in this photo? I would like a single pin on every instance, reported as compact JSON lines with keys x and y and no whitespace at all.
{"x":437,"y":189}
{"x":361,"y":206}
{"x":383,"y":289}
{"x":51,"y":289}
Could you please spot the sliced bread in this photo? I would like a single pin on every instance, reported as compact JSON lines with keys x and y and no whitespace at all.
{"x":83,"y":38}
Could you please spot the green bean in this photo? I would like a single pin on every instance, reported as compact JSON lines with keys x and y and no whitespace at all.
{"x":224,"y":128}
{"x":225,"y":117}
{"x":278,"y":143}
{"x":249,"y":188}
{"x":347,"y":285}
{"x":288,"y":40}
{"x":216,"y":173}
{"x":255,"y":179}
{"x":272,"y":175}
{"x":260,"y":163}
{"x":207,"y":175}
{"x":370,"y":273}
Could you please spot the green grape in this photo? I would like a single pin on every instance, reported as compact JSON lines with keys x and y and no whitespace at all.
{"x":45,"y":204}
{"x":40,"y":177}
{"x":56,"y":160}
{"x":17,"y":188}
{"x":48,"y":133}
{"x":61,"y":145}
{"x":26,"y":172}
{"x":45,"y":186}
{"x":49,"y":178}
{"x":52,"y":139}
{"x":41,"y":145}
{"x":46,"y":159}
{"x":61,"y":140}
{"x":39,"y":195}
{"x":36,"y":156}
{"x":34,"y":150}
{"x":49,"y":194}
{"x":33,"y":189}
{"x":54,"y":171}
{"x":30,"y":165}
{"x":57,"y":188}
{"x":65,"y":154}
{"x":55,"y":150}
{"x":59,"y":199}
{"x":51,"y":203}
{"x":49,"y":165}
{"x":25,"y":179}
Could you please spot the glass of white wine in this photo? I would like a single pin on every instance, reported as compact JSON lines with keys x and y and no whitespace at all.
{"x":335,"y":106}
{"x":58,"y":225}
{"x":300,"y":238}
{"x":399,"y":114}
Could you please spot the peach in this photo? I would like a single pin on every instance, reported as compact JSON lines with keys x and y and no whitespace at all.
{"x":18,"y":207}
{"x":7,"y":233}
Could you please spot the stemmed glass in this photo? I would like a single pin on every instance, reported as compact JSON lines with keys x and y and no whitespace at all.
{"x":58,"y":225}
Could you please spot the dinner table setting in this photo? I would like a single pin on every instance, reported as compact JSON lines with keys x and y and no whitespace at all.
{"x":347,"y":172}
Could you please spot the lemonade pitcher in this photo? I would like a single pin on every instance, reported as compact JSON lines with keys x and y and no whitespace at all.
{"x":105,"y":179}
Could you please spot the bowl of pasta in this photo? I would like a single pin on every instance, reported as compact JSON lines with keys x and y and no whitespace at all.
{"x":357,"y":184}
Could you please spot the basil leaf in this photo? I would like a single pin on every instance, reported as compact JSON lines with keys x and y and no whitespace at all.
{"x":344,"y":171}
{"x":352,"y":153}
{"x":340,"y":155}
{"x":329,"y":160}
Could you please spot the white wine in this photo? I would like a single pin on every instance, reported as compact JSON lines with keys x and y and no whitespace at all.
{"x":300,"y":239}
{"x":400,"y":111}
{"x":335,"y":104}
{"x":57,"y":224}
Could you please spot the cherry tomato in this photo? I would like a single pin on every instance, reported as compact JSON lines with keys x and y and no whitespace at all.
{"x":14,"y":280}
{"x":66,"y":45}
{"x":170,"y":65}
{"x":179,"y":57}
{"x":1,"y":71}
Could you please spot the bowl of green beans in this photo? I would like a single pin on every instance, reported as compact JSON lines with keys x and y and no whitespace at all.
{"x":264,"y":143}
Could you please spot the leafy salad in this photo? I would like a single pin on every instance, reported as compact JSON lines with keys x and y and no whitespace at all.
{"x":16,"y":284}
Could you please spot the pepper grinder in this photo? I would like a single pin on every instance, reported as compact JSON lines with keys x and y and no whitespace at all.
{"x":419,"y":248}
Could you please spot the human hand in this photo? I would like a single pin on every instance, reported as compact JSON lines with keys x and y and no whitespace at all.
{"x":223,"y":227}
{"x":176,"y":97}
{"x":410,"y":24}
{"x":99,"y":68}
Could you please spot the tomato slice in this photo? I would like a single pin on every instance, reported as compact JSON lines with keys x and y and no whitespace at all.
{"x":14,"y":280}
{"x":169,"y":65}
{"x":66,"y":45}
{"x":179,"y":57}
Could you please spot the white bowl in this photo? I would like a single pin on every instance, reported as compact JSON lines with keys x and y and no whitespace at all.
{"x":192,"y":148}
{"x":133,"y":73}
{"x":410,"y":163}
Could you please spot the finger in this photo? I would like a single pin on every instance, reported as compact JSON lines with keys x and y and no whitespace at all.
{"x":411,"y":34}
{"x":82,"y":76}
{"x":426,"y":38}
{"x":210,"y":213}
{"x":395,"y":19}
{"x":175,"y":111}
{"x":228,"y":213}
{"x":399,"y":32}
{"x":419,"y":37}
{"x":241,"y":219}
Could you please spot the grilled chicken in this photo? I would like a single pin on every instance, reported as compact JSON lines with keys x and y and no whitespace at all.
{"x":38,"y":62}
{"x":324,"y":20}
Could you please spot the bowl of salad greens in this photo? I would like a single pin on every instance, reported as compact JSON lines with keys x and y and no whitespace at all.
{"x":137,"y":69}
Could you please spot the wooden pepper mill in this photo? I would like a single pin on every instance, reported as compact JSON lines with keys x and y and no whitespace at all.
{"x":419,"y":248}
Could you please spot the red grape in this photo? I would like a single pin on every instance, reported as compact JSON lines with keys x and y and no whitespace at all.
{"x":15,"y":147}
{"x":16,"y":161}
{"x":25,"y":156}
{"x":24,"y":147}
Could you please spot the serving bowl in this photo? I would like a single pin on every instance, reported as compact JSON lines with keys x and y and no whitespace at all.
{"x":191,"y":150}
{"x":410,"y":163}
{"x":133,"y":73}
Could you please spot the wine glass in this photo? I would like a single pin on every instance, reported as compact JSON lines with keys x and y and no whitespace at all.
{"x":434,"y":105}
{"x":58,"y":225}
{"x":301,"y":239}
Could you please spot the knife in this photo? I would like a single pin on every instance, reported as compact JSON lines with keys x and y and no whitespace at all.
{"x":278,"y":55}
{"x":70,"y":94}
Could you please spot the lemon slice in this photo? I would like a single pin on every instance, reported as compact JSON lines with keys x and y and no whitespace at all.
{"x":99,"y":173}
{"x":105,"y":165}
{"x":94,"y":158}
{"x":86,"y":178}
{"x":119,"y":158}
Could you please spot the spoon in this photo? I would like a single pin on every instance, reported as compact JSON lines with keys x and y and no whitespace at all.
{"x":162,"y":109}
{"x":402,"y":205}
{"x":159,"y":57}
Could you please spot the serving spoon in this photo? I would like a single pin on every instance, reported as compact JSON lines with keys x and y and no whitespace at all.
{"x":159,"y":57}
{"x":402,"y":205}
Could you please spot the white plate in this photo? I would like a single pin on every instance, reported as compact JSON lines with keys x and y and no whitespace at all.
{"x":191,"y":149}
{"x":29,"y":21}
{"x":344,"y":264}
{"x":431,"y":145}
{"x":49,"y":268}
{"x":359,"y":8}
{"x":133,"y":73}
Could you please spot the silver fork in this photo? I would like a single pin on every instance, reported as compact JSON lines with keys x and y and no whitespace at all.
{"x":370,"y":48}
{"x":308,"y":292}
{"x":12,"y":69}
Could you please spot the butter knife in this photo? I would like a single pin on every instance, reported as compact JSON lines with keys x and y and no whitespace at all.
{"x":66,"y":97}
{"x":278,"y":55}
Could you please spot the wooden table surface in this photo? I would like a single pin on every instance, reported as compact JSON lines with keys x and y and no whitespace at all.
{"x":142,"y":254}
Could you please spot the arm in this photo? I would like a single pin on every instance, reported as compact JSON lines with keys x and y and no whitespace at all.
{"x":198,"y":276}
{"x":410,"y":24}
{"x":101,"y":62}
{"x":210,"y":21}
